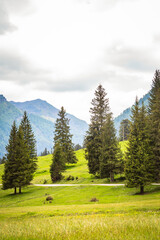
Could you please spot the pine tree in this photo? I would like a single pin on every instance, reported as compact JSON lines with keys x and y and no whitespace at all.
{"x":10,"y":166}
{"x":23,"y":175}
{"x":31,"y":143}
{"x":139,"y":167}
{"x":124,"y":130}
{"x":109,"y":162}
{"x":154,"y":122}
{"x":16,"y":169}
{"x":64,"y":138}
{"x":93,"y":139}
{"x":58,"y":164}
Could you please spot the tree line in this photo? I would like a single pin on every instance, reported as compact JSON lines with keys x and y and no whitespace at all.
{"x":141,"y":163}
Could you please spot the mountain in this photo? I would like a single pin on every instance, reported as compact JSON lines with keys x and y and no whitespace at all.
{"x":42,"y":116}
{"x":127,"y":113}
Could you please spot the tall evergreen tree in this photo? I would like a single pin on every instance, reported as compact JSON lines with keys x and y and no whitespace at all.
{"x":58,"y":164}
{"x":154,"y":122}
{"x":10,"y":166}
{"x":109,"y":162}
{"x":124,"y":130}
{"x":16,"y":169}
{"x":30,"y":142}
{"x":63,"y":137}
{"x":139,"y":167}
{"x":93,"y":139}
{"x":23,"y":175}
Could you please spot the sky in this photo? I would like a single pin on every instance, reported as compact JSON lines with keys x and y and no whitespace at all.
{"x":61,"y":50}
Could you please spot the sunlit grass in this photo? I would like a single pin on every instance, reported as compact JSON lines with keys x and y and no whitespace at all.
{"x":91,"y":227}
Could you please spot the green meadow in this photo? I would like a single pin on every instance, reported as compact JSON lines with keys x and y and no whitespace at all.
{"x":117,"y":212}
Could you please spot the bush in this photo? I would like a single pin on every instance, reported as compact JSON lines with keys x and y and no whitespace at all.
{"x":70,"y":178}
{"x":94,"y":200}
{"x":44,"y":181}
{"x":49,"y":198}
{"x":76,"y":178}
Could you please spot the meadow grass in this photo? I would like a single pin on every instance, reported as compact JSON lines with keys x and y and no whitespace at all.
{"x":119,"y":214}
{"x":91,"y":227}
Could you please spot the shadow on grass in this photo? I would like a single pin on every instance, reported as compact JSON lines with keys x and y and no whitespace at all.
{"x":25,"y":191}
{"x":70,"y":166}
{"x":152,"y":189}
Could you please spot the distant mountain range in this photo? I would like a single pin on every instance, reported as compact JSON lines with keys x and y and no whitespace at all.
{"x":126,"y":114}
{"x":42,"y":116}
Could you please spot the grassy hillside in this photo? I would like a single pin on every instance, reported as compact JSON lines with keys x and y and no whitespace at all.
{"x":79,"y":169}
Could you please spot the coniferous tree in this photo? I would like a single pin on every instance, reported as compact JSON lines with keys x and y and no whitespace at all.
{"x":124,"y":130}
{"x":93,"y":139}
{"x":58,"y":164}
{"x":154,"y":122}
{"x":10,"y":166}
{"x":30,"y":142}
{"x":139,"y":166}
{"x":23,"y":175}
{"x":109,"y":162}
{"x":64,"y":138}
{"x":17,"y":165}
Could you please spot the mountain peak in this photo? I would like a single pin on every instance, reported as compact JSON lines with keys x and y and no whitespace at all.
{"x":2,"y":98}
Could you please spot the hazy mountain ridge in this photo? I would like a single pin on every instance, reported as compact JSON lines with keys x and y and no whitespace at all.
{"x":127,"y":112}
{"x":42,"y":116}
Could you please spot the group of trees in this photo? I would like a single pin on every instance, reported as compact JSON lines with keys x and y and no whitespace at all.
{"x":142,"y":160}
{"x":102,"y":150}
{"x":21,"y":156}
{"x":141,"y":163}
{"x":143,"y":155}
{"x":45,"y":152}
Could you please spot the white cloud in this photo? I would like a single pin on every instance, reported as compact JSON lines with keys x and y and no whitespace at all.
{"x":66,"y":48}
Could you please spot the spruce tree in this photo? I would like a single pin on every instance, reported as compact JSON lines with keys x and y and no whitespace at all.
{"x":58,"y":164}
{"x":17,"y":165}
{"x":23,"y":175}
{"x":139,"y":167}
{"x":93,"y":139}
{"x":63,"y":137}
{"x":124,"y":130}
{"x":109,"y":162}
{"x":30,"y":142}
{"x":154,"y":122}
{"x":10,"y":166}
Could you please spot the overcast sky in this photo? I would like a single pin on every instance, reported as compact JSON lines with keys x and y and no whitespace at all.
{"x":61,"y":50}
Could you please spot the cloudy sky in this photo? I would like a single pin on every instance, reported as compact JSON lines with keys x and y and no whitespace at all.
{"x":60,"y":50}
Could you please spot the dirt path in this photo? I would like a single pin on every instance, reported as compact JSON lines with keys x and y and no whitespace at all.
{"x":71,"y":185}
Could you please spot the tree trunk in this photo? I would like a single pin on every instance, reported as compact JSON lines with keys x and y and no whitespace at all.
{"x":15,"y":190}
{"x":141,"y":189}
{"x":111,"y":177}
{"x":19,"y":189}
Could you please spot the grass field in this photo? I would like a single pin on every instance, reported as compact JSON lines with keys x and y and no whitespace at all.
{"x":119,"y":214}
